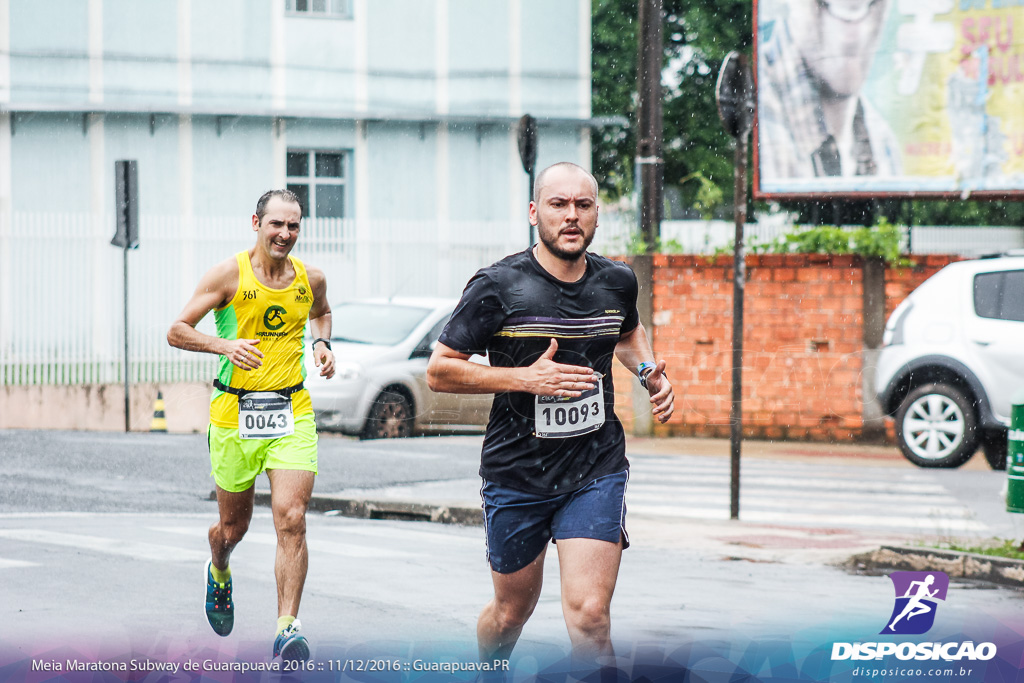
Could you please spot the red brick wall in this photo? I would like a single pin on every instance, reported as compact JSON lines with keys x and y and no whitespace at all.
{"x":802,"y":343}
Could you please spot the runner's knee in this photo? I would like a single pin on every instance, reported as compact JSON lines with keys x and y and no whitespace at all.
{"x":592,"y":616}
{"x":512,"y":615}
{"x":232,"y":532}
{"x":290,"y":521}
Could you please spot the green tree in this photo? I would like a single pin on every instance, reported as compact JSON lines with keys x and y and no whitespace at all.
{"x":697,"y":35}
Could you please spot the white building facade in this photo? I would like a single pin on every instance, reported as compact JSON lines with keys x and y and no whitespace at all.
{"x":395,"y":119}
{"x":395,"y":109}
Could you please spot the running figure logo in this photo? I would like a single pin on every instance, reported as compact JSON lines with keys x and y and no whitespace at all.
{"x":272,"y":318}
{"x":916,"y":596}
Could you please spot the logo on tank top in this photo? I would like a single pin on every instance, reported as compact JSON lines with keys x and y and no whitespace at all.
{"x":303,"y":296}
{"x":272,"y":319}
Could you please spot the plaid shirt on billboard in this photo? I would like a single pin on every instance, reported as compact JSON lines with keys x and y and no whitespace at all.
{"x":794,"y":141}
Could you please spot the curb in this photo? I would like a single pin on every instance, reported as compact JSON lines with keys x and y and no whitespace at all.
{"x":1001,"y":570}
{"x":390,"y":509}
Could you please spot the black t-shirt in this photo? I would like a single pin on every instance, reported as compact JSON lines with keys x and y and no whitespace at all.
{"x":511,"y":311}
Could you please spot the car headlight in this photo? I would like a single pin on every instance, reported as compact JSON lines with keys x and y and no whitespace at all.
{"x":348,"y":370}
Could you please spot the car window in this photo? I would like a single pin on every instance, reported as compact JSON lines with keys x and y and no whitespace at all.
{"x":1000,"y":295}
{"x":435,"y":332}
{"x":378,"y":323}
{"x":423,"y":346}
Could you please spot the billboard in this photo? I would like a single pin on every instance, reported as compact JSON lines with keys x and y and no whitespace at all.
{"x":876,"y":98}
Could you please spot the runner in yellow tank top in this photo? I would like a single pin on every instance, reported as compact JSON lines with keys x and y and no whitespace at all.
{"x":261,"y":418}
{"x":277,"y":318}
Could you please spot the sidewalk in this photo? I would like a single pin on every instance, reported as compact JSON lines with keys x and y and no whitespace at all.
{"x":880,"y":455}
{"x":458,"y":501}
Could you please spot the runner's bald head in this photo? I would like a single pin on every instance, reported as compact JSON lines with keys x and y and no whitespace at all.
{"x":542,"y":177}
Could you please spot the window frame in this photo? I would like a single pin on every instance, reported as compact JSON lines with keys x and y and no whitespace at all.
{"x":312,"y":181}
{"x":344,"y":15}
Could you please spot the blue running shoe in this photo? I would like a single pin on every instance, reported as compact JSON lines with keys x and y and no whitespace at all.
{"x":290,"y":645}
{"x":220,"y":608}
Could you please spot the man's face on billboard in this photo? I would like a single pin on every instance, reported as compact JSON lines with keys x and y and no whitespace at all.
{"x":837,"y":39}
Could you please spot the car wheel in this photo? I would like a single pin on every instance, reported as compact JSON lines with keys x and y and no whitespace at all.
{"x":390,"y":417}
{"x":936,"y":427}
{"x":994,"y":446}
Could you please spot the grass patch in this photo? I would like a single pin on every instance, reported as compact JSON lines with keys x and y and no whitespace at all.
{"x":997,"y":547}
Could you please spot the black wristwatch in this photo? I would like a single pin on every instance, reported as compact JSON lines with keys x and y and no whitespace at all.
{"x":327,"y":343}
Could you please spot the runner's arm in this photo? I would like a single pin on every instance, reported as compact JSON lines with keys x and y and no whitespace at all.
{"x":216,"y":288}
{"x":320,"y":321}
{"x":633,"y":349}
{"x":452,"y":372}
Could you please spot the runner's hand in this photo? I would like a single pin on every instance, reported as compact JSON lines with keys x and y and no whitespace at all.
{"x":324,"y":359}
{"x":661,"y":393}
{"x":243,"y":353}
{"x":548,"y":378}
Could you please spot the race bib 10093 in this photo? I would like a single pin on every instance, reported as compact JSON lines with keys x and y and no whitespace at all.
{"x":558,"y":417}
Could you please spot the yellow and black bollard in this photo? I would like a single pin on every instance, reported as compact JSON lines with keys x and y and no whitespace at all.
{"x":159,"y":423}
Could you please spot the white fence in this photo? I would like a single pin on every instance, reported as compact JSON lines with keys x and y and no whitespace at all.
{"x":61,"y":293}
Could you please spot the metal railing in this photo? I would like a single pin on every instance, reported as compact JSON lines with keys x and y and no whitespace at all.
{"x":61,"y":286}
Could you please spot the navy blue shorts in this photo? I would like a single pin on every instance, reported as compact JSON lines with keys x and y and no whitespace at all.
{"x":519,"y":524}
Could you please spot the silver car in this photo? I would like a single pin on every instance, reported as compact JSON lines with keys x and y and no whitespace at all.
{"x":379,"y":389}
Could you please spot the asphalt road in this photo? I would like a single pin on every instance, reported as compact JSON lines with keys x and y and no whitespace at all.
{"x":102,"y":542}
{"x":108,"y":472}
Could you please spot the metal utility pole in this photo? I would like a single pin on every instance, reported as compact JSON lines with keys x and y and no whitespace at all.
{"x":735,"y":95}
{"x":649,"y":173}
{"x":650,"y":165}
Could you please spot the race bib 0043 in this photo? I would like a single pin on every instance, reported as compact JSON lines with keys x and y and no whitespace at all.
{"x":558,"y":417}
{"x":264,"y":415}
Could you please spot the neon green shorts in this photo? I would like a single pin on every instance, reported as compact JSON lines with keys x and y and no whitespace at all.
{"x":237,"y":462}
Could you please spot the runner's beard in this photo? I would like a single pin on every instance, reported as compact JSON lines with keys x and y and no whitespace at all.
{"x":557,"y":251}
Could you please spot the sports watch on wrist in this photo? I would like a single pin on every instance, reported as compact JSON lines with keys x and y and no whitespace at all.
{"x":643,"y":370}
{"x":327,"y":343}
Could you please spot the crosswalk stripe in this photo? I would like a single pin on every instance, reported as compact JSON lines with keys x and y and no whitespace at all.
{"x":796,"y":494}
{"x":315,"y":545}
{"x":710,"y":498}
{"x":114,"y":546}
{"x":697,"y":462}
{"x":647,"y":467}
{"x":754,"y":491}
{"x":413,"y":532}
{"x":800,"y":519}
{"x":802,"y":482}
{"x":15,"y":564}
{"x":372,"y":548}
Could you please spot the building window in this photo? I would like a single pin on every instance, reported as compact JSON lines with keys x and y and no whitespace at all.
{"x":334,"y":9}
{"x":318,"y":178}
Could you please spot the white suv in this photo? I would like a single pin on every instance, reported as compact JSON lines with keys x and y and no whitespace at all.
{"x":953,"y":356}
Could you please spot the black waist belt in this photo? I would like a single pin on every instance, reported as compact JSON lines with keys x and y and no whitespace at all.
{"x":288,"y":391}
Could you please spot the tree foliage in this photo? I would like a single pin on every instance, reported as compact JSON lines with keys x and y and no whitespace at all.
{"x":697,"y":35}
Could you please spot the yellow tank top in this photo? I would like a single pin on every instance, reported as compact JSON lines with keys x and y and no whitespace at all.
{"x":277,"y":317}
